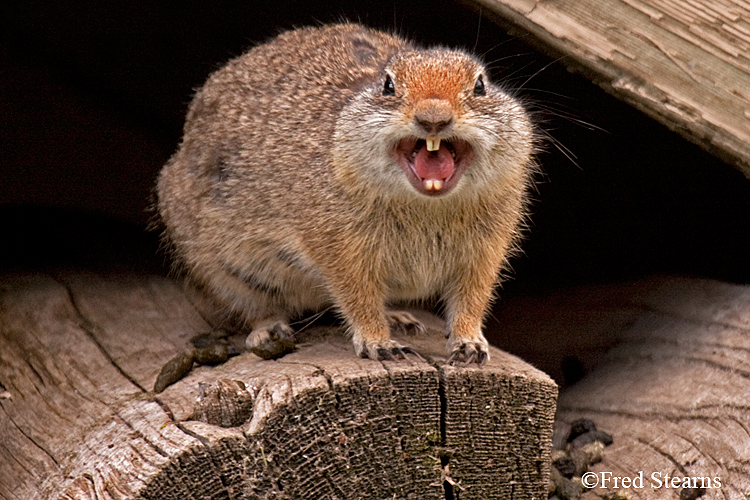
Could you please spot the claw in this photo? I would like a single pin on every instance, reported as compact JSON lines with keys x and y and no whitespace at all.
{"x":469,"y":353}
{"x":419,"y":328}
{"x":453,"y":357}
{"x":281,"y":331}
{"x":398,"y":352}
{"x":409,"y":350}
{"x":404,"y":322}
{"x":482,"y":359}
{"x":385,"y":354}
{"x":389,"y":351}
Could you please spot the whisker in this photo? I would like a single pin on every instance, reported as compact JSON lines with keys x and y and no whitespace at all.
{"x":479,"y":25}
{"x":555,"y":61}
{"x":311,"y":319}
{"x":561,"y":148}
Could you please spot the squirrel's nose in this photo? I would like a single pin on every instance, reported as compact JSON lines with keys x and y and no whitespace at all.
{"x":434,"y":116}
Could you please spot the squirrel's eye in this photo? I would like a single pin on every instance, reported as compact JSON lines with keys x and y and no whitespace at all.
{"x":479,"y":86}
{"x":388,"y":87}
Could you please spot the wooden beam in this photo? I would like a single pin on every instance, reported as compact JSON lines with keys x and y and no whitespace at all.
{"x":80,"y":352}
{"x":684,"y":63}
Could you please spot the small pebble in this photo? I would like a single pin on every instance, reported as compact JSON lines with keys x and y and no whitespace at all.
{"x":589,"y":437}
{"x":566,"y":466}
{"x":691,"y":493}
{"x":585,"y":446}
{"x":618,"y":495}
{"x":174,"y":370}
{"x":586,"y":455}
{"x":554,"y":478}
{"x":580,"y":426}
{"x":564,"y":488}
{"x":203,"y":340}
{"x":212,"y":355}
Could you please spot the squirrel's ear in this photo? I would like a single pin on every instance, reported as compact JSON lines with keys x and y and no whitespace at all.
{"x":388,"y":87}
{"x":479,"y":86}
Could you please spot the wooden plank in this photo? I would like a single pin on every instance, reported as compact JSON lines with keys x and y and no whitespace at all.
{"x":79,"y":353}
{"x":686,"y":63}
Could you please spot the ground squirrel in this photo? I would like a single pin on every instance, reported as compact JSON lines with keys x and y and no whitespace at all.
{"x":342,"y":166}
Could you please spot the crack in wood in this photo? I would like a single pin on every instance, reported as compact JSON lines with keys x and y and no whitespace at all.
{"x":139,"y":434}
{"x":672,"y":56}
{"x":143,"y":457}
{"x":165,"y":407}
{"x":90,"y":329}
{"x":13,"y":456}
{"x":697,"y":448}
{"x":660,"y":413}
{"x":203,"y":440}
{"x":32,"y":440}
{"x":653,"y":352}
{"x":450,"y":487}
{"x":36,"y":373}
{"x":719,"y":366}
{"x":664,"y":454}
{"x":741,"y":409}
{"x":687,"y":319}
{"x":321,"y":371}
{"x":741,"y":424}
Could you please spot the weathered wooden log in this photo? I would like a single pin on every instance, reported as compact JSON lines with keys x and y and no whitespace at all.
{"x":675,"y":395}
{"x":683,"y":62}
{"x":79,"y":354}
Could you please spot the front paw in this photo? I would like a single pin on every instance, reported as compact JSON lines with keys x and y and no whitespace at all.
{"x":271,"y":341}
{"x":385,"y":350}
{"x":469,"y":351}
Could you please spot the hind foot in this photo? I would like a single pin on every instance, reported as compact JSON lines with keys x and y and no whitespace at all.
{"x":271,"y":339}
{"x":404,"y":322}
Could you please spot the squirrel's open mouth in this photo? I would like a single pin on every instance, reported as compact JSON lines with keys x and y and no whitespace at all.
{"x":433,"y":165}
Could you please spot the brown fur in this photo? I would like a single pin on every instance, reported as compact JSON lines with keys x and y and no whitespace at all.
{"x":286,"y":195}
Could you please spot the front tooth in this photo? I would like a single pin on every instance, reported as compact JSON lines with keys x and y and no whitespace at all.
{"x":433,"y":144}
{"x":433,"y":184}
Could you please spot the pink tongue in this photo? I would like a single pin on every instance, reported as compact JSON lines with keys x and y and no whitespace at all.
{"x":434,"y":165}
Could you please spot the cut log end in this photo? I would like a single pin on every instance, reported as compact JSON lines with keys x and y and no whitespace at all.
{"x":78,"y":352}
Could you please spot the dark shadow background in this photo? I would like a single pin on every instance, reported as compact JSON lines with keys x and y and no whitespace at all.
{"x":93,"y":95}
